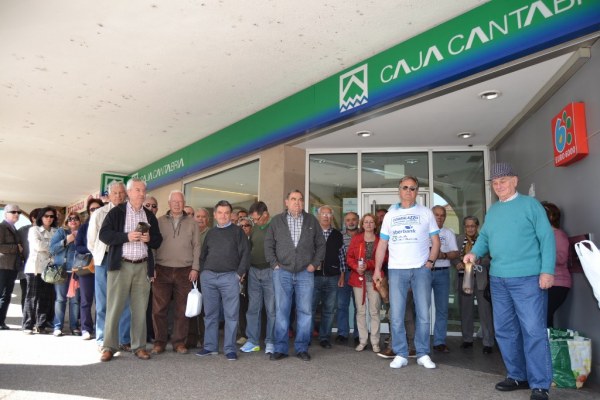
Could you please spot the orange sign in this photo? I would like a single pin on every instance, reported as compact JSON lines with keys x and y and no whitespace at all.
{"x":569,"y":134}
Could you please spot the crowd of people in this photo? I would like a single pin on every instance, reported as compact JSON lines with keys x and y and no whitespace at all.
{"x":300,"y":271}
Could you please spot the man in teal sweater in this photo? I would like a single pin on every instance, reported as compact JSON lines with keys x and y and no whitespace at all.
{"x":520,"y":242}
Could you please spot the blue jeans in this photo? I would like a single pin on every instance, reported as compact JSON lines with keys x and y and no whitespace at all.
{"x":440,"y":285}
{"x":344,"y":295}
{"x":299,"y":285}
{"x":220,"y":290}
{"x":400,"y":280}
{"x":60,"y":305}
{"x":520,"y":307}
{"x":100,"y":294}
{"x":325,"y":292}
{"x":260,"y":290}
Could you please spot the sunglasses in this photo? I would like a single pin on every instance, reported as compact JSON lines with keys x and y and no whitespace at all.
{"x":411,"y":188}
{"x":49,"y":216}
{"x":245,"y":226}
{"x":71,"y":219}
{"x":14,"y":212}
{"x":148,"y":205}
{"x":92,"y":209}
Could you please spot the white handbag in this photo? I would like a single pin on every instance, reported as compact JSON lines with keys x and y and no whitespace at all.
{"x":194,"y":302}
{"x":590,"y":262}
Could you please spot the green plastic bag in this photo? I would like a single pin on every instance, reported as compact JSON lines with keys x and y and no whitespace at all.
{"x":571,"y":358}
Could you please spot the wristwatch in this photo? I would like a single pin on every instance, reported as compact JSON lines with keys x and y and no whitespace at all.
{"x":432,"y":262}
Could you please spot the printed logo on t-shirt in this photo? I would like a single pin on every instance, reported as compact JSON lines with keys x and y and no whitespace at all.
{"x":403,"y":228}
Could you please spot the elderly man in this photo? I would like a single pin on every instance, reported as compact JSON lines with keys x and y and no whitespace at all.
{"x":224,"y":260}
{"x":440,"y":283}
{"x":294,"y":247}
{"x":10,"y":258}
{"x":260,"y":284}
{"x":130,"y":267}
{"x":99,"y":249}
{"x":189,"y":211}
{"x":344,"y":292}
{"x":177,"y":261}
{"x":329,"y":276}
{"x":410,"y":232}
{"x":466,"y":300}
{"x":202,"y":218}
{"x":521,"y":244}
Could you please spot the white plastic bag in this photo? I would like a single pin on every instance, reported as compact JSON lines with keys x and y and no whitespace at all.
{"x":194,"y":302}
{"x":590,"y":262}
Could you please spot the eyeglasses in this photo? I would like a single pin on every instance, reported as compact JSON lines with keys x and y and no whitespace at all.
{"x":411,"y":188}
{"x":326,"y":214}
{"x":71,"y":219}
{"x":49,"y":216}
{"x":14,"y":212}
{"x":92,"y":209}
{"x":245,"y":225}
{"x":148,"y":205}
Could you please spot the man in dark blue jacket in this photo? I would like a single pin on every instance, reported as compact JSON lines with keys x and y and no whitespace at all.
{"x":130,"y":267}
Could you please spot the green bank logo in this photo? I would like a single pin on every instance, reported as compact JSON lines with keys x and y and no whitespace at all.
{"x":354,"y":88}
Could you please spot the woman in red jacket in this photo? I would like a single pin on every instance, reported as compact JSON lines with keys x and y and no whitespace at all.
{"x":361,"y":260}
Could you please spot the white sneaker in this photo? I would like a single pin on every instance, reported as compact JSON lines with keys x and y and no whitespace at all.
{"x":57,"y":332}
{"x":426,"y":362}
{"x":399,"y":362}
{"x":269,"y":348}
{"x":86,"y":335}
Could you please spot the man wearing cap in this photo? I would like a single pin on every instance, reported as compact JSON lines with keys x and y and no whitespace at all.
{"x":10,"y":258}
{"x":520,"y":241}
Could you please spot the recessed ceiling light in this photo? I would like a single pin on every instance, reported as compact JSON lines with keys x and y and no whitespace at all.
{"x":364,"y":133}
{"x":490,"y":94}
{"x":465,"y":135}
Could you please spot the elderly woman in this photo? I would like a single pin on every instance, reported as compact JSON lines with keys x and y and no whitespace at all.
{"x":38,"y":297}
{"x":62,"y":246}
{"x":86,"y":282}
{"x":361,"y":260}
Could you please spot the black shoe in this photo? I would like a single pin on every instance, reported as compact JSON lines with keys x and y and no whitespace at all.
{"x":341,"y":339}
{"x":356,"y":341}
{"x":508,"y":385}
{"x":487,"y":349}
{"x":539,"y":394}
{"x":466,"y":345}
{"x":4,"y":327}
{"x":277,"y":356}
{"x":325,"y":344}
{"x":303,"y":355}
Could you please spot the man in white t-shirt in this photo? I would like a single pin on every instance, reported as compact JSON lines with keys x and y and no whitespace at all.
{"x":410,"y":232}
{"x":440,"y":283}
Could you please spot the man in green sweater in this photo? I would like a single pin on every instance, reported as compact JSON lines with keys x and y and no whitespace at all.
{"x":520,"y":242}
{"x":260,"y":284}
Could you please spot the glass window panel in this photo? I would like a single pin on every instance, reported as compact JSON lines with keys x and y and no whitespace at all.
{"x":459,"y":187}
{"x":384,"y":170}
{"x":333,"y":181}
{"x":238,"y":185}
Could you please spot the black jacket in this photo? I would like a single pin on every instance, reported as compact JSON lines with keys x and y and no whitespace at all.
{"x":113,"y":234}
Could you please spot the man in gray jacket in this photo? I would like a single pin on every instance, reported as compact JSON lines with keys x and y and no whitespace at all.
{"x":10,"y":258}
{"x":294,"y":247}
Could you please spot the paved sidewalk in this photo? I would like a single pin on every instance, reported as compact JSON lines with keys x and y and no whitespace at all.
{"x":43,"y":366}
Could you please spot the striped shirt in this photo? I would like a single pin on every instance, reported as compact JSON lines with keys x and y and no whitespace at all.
{"x":134,"y":250}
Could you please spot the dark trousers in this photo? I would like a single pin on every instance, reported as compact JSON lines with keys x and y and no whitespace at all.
{"x":170,"y":283}
{"x":86,"y":293}
{"x":244,"y":301}
{"x":38,"y":302}
{"x":556,"y":296}
{"x":7,"y":284}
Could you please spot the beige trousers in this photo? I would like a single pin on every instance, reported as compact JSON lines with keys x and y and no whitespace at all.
{"x":373,"y":300}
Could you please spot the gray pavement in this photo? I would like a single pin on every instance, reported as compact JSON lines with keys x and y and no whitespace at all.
{"x":43,"y":366}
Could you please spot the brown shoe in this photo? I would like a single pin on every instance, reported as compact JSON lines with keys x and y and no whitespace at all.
{"x":106,"y":356}
{"x":387,"y":353}
{"x":142,"y":354}
{"x":180,"y":349}
{"x":441,"y":348}
{"x":157,"y":348}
